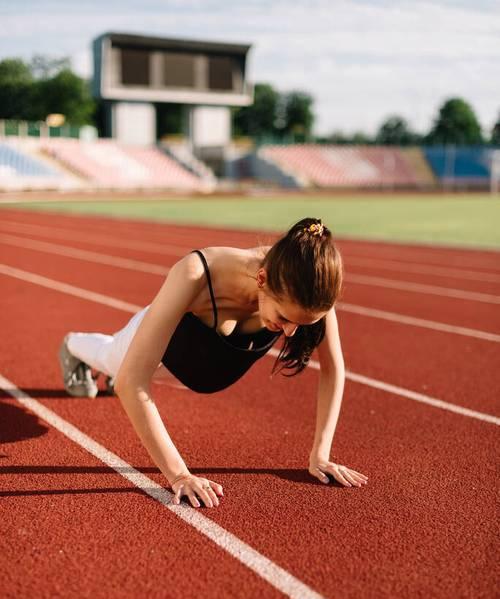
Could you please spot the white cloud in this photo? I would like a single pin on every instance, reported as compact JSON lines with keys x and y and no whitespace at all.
{"x":361,"y":60}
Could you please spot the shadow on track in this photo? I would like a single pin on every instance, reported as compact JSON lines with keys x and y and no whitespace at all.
{"x":297,"y":475}
{"x":17,"y":424}
{"x":49,"y":393}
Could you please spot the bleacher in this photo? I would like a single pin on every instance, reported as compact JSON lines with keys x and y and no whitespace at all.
{"x":107,"y":164}
{"x":13,"y":162}
{"x":20,"y":170}
{"x":462,"y":166}
{"x":348,"y":166}
{"x":64,"y":163}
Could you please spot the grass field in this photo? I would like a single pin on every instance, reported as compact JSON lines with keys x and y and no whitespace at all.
{"x":468,"y":220}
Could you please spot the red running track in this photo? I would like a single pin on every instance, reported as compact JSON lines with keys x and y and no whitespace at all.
{"x":424,"y":526}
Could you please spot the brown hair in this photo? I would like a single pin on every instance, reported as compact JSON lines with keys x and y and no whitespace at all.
{"x":305,"y":267}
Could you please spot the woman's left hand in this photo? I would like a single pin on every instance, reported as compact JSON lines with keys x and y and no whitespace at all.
{"x":344,"y":475}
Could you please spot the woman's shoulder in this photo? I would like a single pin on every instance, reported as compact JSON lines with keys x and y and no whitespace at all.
{"x":222,"y":256}
{"x":229,"y":267}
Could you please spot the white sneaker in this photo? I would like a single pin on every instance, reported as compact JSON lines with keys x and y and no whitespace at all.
{"x":77,"y":375}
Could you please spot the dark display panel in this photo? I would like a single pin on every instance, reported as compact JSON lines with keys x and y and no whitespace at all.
{"x":135,"y":67}
{"x":178,"y":69}
{"x":220,"y":73}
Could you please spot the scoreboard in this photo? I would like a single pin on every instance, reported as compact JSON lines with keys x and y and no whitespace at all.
{"x":150,"y":69}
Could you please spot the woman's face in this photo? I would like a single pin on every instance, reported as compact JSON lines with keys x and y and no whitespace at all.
{"x":284,"y":315}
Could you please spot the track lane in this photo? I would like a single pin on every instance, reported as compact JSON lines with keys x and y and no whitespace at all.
{"x":364,"y":339}
{"x":479,"y":315}
{"x":130,"y":286}
{"x":471,"y":288}
{"x":448,"y":310}
{"x":459,"y":258}
{"x":402,"y":522}
{"x":76,"y":528}
{"x":394,"y":268}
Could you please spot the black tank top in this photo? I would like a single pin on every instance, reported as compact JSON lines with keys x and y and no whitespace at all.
{"x":207,"y":361}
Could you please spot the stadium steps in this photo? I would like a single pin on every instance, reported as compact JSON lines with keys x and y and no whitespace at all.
{"x":423,"y":173}
{"x":268,"y":168}
{"x":181,"y":153}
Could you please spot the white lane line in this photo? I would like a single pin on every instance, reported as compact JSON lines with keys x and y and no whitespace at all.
{"x":146,"y":246}
{"x":413,"y":395}
{"x":132,"y":308}
{"x":179,"y":251}
{"x":71,"y":252}
{"x":369,"y":312}
{"x":69,"y":289}
{"x":418,"y":322}
{"x":426,"y":269}
{"x":421,"y":288}
{"x":249,"y":557}
{"x":398,"y":265}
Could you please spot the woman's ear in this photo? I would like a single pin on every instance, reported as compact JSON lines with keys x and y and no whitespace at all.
{"x":261,"y":278}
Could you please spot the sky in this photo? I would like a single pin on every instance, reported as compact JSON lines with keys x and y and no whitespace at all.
{"x":361,"y":60}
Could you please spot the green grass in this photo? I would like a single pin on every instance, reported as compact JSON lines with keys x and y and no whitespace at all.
{"x":468,"y":220}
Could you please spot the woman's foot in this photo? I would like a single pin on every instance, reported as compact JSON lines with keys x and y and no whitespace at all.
{"x":77,"y":375}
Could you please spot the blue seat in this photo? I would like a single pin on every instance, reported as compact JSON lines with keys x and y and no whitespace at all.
{"x":459,"y":162}
{"x":23,"y":165}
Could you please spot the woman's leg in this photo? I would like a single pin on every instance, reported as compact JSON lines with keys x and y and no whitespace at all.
{"x":104,"y":353}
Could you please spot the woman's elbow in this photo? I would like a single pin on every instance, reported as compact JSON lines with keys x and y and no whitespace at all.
{"x":126,"y":386}
{"x":334,"y":369}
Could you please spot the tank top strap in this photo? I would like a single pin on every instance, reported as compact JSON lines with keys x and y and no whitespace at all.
{"x":207,"y":272}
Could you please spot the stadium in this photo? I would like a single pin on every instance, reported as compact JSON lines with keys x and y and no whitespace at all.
{"x":97,"y":217}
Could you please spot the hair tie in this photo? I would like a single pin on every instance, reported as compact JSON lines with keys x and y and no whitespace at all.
{"x":315,"y":229}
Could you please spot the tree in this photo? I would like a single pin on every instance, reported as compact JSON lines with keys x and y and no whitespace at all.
{"x":45,"y":67}
{"x":495,"y":133}
{"x":395,"y":131}
{"x":24,"y":97}
{"x":338,"y":138}
{"x":258,"y":119}
{"x":14,"y":70}
{"x":359,"y":138}
{"x":456,"y":124}
{"x":68,"y":94}
{"x":298,"y":115}
{"x":16,"y":89}
{"x":275,"y":114}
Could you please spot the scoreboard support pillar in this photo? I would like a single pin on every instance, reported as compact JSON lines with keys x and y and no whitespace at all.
{"x":133,"y":122}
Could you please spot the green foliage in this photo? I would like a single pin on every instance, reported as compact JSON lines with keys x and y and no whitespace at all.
{"x":395,"y":131}
{"x":495,"y":133}
{"x":65,"y":93}
{"x":274,"y":115}
{"x":456,"y":124}
{"x":358,"y":138}
{"x":14,"y":71}
{"x":170,"y":119}
{"x":298,"y":115}
{"x":44,"y":86}
{"x":16,"y":89}
{"x":258,"y":119}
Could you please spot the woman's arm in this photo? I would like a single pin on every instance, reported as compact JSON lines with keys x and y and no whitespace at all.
{"x":329,"y":401}
{"x":331,"y":386}
{"x":183,"y":283}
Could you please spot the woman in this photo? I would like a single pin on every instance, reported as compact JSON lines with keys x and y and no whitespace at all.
{"x":217,"y":312}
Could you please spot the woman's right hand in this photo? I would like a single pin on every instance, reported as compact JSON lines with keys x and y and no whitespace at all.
{"x":195,"y":487}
